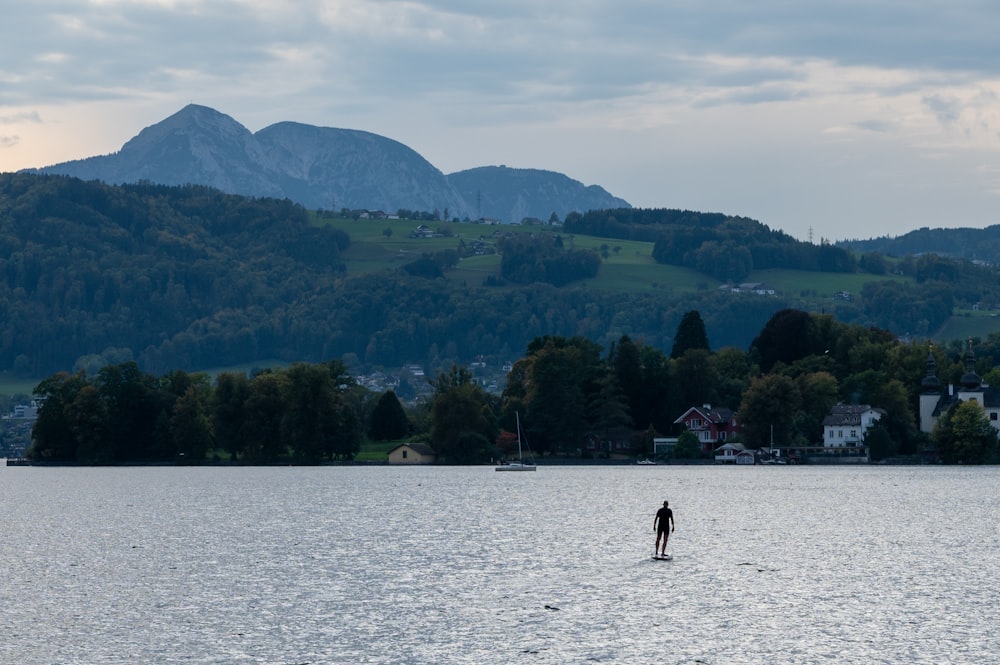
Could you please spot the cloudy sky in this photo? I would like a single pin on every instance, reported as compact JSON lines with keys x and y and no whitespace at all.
{"x":827,"y":119}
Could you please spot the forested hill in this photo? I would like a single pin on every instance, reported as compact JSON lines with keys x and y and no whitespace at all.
{"x":965,"y":243}
{"x":180,"y":274}
{"x":725,"y":247}
{"x":189,"y":278}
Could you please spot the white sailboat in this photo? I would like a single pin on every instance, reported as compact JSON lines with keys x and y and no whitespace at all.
{"x":519,"y":464}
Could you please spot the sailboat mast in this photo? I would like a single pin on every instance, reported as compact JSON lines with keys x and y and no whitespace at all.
{"x":517,"y":418}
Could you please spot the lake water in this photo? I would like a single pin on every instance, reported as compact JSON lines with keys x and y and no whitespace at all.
{"x":465,"y":565}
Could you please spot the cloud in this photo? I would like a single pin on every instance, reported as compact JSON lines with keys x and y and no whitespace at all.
{"x":564,"y":84}
{"x":9,"y":141}
{"x":948,"y":109}
{"x":520,"y":52}
{"x":27,"y":116}
{"x":877,"y":126}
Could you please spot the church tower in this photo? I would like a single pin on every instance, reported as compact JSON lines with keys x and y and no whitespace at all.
{"x":971,"y":387}
{"x":930,"y":395}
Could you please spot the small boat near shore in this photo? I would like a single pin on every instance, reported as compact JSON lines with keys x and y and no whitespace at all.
{"x":519,"y":464}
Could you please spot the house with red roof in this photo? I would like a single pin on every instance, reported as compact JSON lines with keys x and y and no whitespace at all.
{"x":712,"y":425}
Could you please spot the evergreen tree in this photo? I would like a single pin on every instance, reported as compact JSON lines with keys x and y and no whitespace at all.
{"x":788,"y":336}
{"x":608,"y":410}
{"x":388,"y":420}
{"x":627,"y":369}
{"x":690,"y":335}
{"x":880,"y":443}
{"x":696,"y":377}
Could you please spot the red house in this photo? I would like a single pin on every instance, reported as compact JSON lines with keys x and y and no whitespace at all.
{"x":712,"y":426}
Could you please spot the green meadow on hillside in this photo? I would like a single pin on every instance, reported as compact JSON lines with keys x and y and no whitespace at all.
{"x":965,"y":324}
{"x":10,"y":385}
{"x":627,"y":265}
{"x":819,"y":284}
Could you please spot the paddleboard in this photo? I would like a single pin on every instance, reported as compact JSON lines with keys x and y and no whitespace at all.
{"x":668,"y":557}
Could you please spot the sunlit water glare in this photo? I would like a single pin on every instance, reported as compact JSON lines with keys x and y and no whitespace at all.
{"x":465,"y":565}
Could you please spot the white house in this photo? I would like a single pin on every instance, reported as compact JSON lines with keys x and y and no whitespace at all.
{"x":25,"y":411}
{"x":731,"y":453}
{"x":847,"y":424}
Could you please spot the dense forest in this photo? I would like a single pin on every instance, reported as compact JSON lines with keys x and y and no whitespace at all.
{"x":573,"y":397}
{"x":529,"y":259}
{"x":85,"y":267}
{"x":971,"y":244}
{"x":189,"y":278}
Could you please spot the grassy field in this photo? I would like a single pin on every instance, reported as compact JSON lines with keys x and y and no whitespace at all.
{"x":372,"y":249}
{"x":247,"y":368}
{"x":627,"y":265}
{"x":12,"y":386}
{"x":821,"y":284}
{"x":966,"y":323}
{"x":376,"y":451}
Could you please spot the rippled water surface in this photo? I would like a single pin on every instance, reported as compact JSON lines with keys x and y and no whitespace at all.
{"x":465,"y":565}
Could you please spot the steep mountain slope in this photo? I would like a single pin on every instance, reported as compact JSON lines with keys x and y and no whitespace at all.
{"x":324,"y":167}
{"x":513,"y":194}
{"x":196,"y":145}
{"x":331,"y":168}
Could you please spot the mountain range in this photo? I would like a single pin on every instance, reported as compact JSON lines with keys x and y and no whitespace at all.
{"x":329,"y":168}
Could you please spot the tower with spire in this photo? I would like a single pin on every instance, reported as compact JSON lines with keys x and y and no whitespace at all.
{"x":930,"y":395}
{"x":935,"y":401}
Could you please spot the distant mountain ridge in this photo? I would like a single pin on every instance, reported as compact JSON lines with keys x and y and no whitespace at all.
{"x":518,"y":193}
{"x":963,"y":243}
{"x":329,"y":168}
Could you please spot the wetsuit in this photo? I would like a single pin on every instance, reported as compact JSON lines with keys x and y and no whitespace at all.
{"x":664,"y":516}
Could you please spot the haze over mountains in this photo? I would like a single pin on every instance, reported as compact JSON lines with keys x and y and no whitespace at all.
{"x":328,"y":168}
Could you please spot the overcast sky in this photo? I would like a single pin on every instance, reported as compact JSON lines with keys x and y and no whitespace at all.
{"x":845,"y":119}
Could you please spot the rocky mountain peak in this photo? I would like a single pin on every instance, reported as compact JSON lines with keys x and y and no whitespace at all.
{"x":325,"y":167}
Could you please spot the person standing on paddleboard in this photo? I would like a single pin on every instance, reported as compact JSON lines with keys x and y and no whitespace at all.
{"x":664,"y":519}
